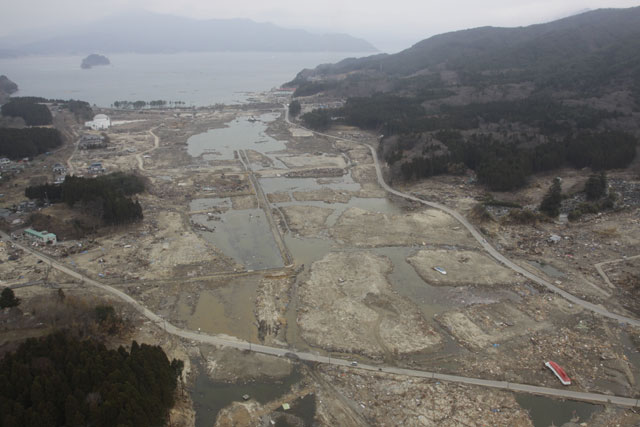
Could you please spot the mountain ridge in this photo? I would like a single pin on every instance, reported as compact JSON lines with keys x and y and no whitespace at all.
{"x":146,"y":32}
{"x":503,"y":102}
{"x":498,"y":48}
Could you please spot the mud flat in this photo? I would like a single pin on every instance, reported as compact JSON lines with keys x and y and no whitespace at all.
{"x":307,"y":221}
{"x":462,"y":267}
{"x":279,"y":197}
{"x":364,"y":229}
{"x":328,"y":195}
{"x":244,"y":202}
{"x":313,"y":161}
{"x":347,"y":305}
{"x":230,"y":365}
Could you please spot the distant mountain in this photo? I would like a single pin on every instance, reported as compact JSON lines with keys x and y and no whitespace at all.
{"x":504,"y":102}
{"x":154,"y":33}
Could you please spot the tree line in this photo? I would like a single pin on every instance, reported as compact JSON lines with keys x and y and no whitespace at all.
{"x":28,"y":142}
{"x":30,"y":108}
{"x":109,"y":194}
{"x":33,"y":113}
{"x":62,"y":381}
{"x":505,"y":166}
{"x":138,"y":105}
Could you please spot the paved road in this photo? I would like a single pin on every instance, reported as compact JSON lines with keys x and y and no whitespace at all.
{"x":225,"y":340}
{"x":599,"y":309}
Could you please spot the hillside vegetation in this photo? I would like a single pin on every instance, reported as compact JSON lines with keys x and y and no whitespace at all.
{"x":107,"y":196}
{"x":505,"y":102}
{"x":62,"y":381}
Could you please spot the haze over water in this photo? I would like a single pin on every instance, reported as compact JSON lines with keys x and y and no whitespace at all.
{"x":198,"y":79}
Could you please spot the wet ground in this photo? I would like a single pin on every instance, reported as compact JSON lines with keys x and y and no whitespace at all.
{"x":310,"y":213}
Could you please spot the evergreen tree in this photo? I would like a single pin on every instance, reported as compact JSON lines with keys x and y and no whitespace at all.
{"x":596,"y":186}
{"x":8,"y":298}
{"x":294,"y":108}
{"x":550,"y":204}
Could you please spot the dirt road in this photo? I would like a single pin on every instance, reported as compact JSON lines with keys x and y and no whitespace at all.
{"x":156,"y":144}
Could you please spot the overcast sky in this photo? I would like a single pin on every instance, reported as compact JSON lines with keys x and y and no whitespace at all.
{"x":388,"y":24}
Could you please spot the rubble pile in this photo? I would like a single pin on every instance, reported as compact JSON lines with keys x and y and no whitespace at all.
{"x":394,"y":400}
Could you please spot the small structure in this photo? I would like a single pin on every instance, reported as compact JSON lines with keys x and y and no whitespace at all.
{"x":246,"y":397}
{"x":4,"y":161}
{"x":99,"y":122}
{"x":59,"y":168}
{"x":95,"y":168}
{"x":40,"y":236}
{"x":90,"y":141}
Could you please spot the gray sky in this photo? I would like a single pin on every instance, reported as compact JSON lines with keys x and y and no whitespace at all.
{"x":388,"y":24}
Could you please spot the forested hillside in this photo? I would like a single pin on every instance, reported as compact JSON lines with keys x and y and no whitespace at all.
{"x":62,"y":381}
{"x":505,"y":102}
{"x":28,"y":142}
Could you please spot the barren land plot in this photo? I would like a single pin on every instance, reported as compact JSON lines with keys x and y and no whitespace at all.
{"x":166,"y":250}
{"x":232,"y":365}
{"x":313,"y":161}
{"x":359,"y":228}
{"x":347,"y":305}
{"x":462,"y":268}
{"x":325,"y":194}
{"x":307,"y":221}
{"x":481,"y":326}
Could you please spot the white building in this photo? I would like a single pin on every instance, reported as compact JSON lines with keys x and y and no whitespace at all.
{"x":99,"y":122}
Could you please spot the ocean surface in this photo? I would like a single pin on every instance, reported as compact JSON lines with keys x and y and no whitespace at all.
{"x":198,"y":79}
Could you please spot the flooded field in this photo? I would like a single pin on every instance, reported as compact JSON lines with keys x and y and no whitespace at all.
{"x":210,"y":396}
{"x":370,"y":277}
{"x":244,"y":133}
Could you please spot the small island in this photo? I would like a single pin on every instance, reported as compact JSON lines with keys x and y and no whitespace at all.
{"x":94,"y":60}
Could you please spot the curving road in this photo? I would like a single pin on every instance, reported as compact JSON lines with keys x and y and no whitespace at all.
{"x":599,"y":309}
{"x":225,"y":340}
